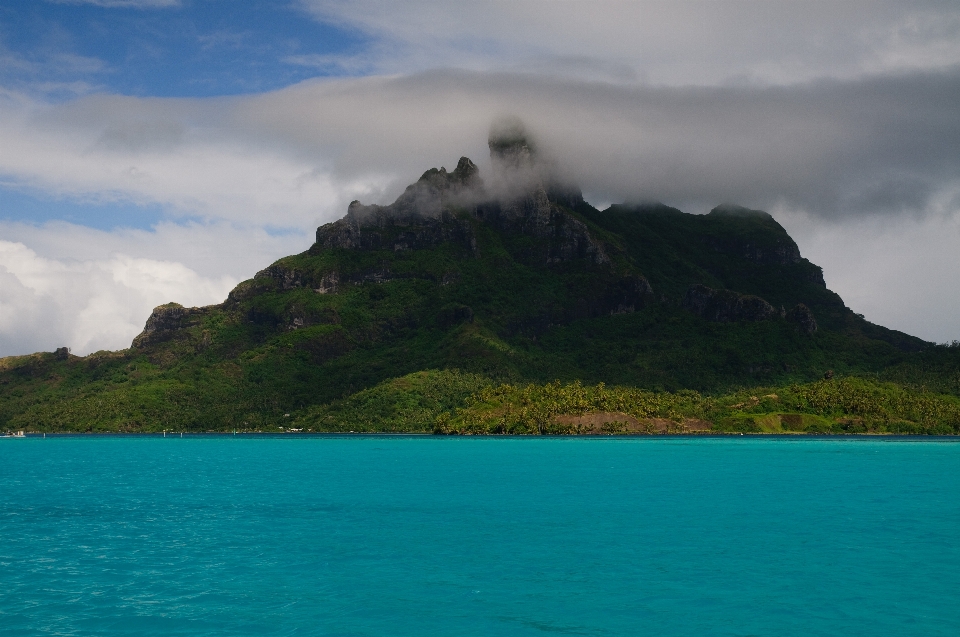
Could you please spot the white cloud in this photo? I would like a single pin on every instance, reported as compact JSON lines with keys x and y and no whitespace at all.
{"x":212,"y":250}
{"x":88,"y":305}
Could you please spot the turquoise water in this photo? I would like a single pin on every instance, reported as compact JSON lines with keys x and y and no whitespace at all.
{"x":466,"y":536}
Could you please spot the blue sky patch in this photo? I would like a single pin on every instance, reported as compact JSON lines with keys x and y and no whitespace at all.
{"x":201,"y":48}
{"x":38,"y":208}
{"x":198,"y":48}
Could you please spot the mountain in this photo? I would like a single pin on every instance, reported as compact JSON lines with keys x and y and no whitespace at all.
{"x":401,"y":314}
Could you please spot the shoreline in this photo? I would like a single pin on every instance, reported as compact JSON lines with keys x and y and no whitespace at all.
{"x":388,"y":434}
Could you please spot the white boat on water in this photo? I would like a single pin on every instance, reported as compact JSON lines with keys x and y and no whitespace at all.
{"x":15,"y":434}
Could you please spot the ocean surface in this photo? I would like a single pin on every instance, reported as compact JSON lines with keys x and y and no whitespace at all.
{"x":367,"y":535}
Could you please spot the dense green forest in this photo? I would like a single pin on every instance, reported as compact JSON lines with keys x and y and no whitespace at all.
{"x":459,"y":309}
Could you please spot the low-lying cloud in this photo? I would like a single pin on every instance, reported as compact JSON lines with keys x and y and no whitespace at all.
{"x":297,"y":156}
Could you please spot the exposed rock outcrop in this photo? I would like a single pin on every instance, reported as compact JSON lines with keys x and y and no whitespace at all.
{"x":726,"y":306}
{"x":781,"y":251}
{"x":629,"y":294}
{"x":803,"y":318}
{"x":421,"y":217}
{"x":286,"y":278}
{"x":523,"y":198}
{"x":329,"y":283}
{"x":815,"y":275}
{"x":566,"y":237}
{"x":529,"y":199}
{"x":165,"y":322}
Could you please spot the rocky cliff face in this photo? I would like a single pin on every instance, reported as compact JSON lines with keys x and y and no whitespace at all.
{"x":422,"y":217}
{"x":518,"y":200}
{"x":725,"y":306}
{"x":439,"y":207}
{"x":803,"y":318}
{"x":780,"y":251}
{"x":166,"y":321}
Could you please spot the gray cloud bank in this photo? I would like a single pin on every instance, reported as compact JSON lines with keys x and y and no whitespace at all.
{"x":882,"y":145}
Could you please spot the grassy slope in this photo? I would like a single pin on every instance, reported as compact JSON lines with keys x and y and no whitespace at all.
{"x":267,"y":351}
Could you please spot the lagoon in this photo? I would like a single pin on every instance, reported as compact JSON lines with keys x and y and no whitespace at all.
{"x":424,"y":535}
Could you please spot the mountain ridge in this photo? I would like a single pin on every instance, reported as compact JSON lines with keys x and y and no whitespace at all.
{"x":507,"y":277}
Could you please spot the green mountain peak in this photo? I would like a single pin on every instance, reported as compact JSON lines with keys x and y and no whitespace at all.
{"x":500,"y":277}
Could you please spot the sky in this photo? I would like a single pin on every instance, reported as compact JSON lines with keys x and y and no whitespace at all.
{"x":165,"y":150}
